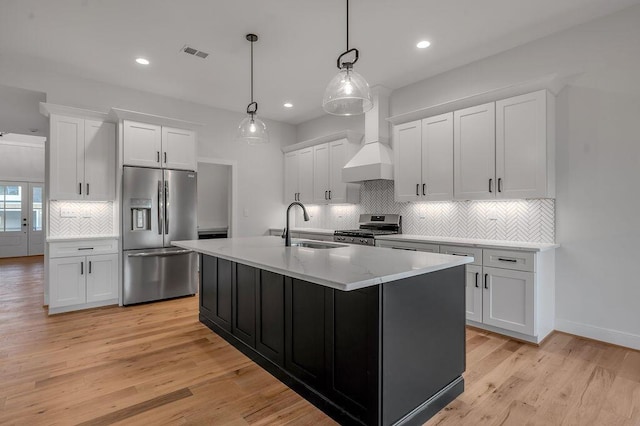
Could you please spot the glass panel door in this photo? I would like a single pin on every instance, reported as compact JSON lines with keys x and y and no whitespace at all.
{"x":36,"y":219}
{"x":13,"y":219}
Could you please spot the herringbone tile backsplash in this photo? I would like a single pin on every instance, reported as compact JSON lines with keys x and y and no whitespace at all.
{"x":90,"y":218}
{"x":514,"y":220}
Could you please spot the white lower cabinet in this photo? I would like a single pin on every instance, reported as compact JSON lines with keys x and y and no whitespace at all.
{"x":506,"y":291}
{"x":509,"y":300}
{"x":80,"y":282}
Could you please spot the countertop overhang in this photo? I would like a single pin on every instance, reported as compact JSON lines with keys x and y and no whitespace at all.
{"x":345,"y":268}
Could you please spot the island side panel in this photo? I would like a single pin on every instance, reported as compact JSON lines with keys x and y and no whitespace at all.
{"x":216,"y":291}
{"x":423,"y":344}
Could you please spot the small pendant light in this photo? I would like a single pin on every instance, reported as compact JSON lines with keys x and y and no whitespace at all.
{"x":348,"y":92}
{"x":252,"y":130}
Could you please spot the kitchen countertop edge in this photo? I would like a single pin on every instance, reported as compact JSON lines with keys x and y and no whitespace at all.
{"x":82,"y":238}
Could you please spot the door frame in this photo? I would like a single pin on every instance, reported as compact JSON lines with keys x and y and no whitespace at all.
{"x":30,"y":221}
{"x":233,"y":190}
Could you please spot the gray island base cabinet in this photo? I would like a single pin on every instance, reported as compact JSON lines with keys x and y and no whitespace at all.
{"x":382,"y":355}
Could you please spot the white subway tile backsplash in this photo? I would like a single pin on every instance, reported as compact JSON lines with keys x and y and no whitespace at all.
{"x":85,"y":218}
{"x":513,"y":220}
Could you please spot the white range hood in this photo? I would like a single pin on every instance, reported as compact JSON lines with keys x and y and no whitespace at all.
{"x":375,"y":158}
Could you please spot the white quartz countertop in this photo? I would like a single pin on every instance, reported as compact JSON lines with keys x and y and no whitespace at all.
{"x":319,"y":231}
{"x":346,"y":268}
{"x":471,"y":242}
{"x":81,"y":237}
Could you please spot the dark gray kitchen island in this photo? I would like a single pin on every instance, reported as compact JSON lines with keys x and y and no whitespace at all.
{"x":369,"y":335}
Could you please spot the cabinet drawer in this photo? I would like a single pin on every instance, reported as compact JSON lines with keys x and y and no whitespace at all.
{"x":506,"y":259}
{"x":82,"y":248}
{"x":476,"y":253}
{"x":407,"y":245}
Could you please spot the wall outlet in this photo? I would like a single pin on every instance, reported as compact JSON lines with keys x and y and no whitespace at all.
{"x":68,"y":213}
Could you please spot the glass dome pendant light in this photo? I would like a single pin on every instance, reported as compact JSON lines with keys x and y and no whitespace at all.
{"x":348,"y":92}
{"x":252,"y":130}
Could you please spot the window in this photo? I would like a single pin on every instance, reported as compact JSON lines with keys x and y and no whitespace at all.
{"x":36,"y":216}
{"x":10,"y":208}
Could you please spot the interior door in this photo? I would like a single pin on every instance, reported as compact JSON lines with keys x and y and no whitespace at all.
{"x":36,"y":219}
{"x":14,"y":217}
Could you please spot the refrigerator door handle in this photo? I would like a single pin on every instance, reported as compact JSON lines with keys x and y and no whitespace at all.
{"x":160,"y":208}
{"x":152,"y":254}
{"x":166,"y":207}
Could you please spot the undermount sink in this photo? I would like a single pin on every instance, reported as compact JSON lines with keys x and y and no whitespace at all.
{"x":316,"y":245}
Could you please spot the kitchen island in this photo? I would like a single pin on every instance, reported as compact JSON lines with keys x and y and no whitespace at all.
{"x":369,"y":335}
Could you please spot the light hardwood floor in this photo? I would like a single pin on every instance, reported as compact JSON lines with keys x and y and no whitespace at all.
{"x":156,"y":364}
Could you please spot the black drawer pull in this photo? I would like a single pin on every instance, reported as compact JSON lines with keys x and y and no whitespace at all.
{"x":459,"y":254}
{"x":85,"y":248}
{"x":477,"y":274}
{"x":486,"y":279}
{"x":402,"y":248}
{"x":490,"y":185}
{"x":417,"y":189}
{"x":502,"y":259}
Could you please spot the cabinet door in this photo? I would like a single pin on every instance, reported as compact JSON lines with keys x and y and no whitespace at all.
{"x":305,"y":331}
{"x":521,"y":146}
{"x":244,"y":303}
{"x":216,"y":290}
{"x":437,"y":157}
{"x":407,"y":145}
{"x":509,"y":300}
{"x":474,"y":152}
{"x":290,"y":177}
{"x":99,"y":160}
{"x":142,"y":144}
{"x":339,"y":156}
{"x":178,"y":149}
{"x":270,"y":316}
{"x":67,"y":281}
{"x":321,"y":173}
{"x":473,"y":291}
{"x":305,"y":175}
{"x":66,"y":174}
{"x":102,"y":277}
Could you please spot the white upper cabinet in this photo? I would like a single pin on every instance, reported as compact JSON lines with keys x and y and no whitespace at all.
{"x":475,"y":153}
{"x":291,"y":177}
{"x":328,"y":161}
{"x":437,"y":157}
{"x":142,"y":144}
{"x":82,"y":159}
{"x":99,"y":160}
{"x":298,"y":175}
{"x":524,"y":144}
{"x":407,"y":146}
{"x":149,"y":145}
{"x":178,"y":149}
{"x":424,"y":159}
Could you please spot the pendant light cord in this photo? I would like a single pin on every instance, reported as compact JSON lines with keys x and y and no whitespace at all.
{"x":347,"y":24}
{"x":252,"y":72}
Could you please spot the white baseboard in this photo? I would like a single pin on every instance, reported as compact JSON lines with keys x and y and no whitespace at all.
{"x":615,"y":337}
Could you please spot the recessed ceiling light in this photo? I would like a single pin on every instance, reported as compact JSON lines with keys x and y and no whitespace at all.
{"x":423,"y":44}
{"x":288,"y":105}
{"x":142,"y":61}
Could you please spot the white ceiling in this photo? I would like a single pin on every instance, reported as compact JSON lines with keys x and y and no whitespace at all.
{"x":298,"y":47}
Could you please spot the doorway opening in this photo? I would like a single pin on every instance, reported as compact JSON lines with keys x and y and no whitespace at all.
{"x":216,"y":198}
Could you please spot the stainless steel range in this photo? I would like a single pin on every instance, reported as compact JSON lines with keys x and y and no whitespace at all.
{"x":371,"y":225}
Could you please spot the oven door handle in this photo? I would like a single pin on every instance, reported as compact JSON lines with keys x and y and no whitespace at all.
{"x":161,"y":254}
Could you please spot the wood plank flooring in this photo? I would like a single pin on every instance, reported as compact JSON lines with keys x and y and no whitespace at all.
{"x":156,"y":364}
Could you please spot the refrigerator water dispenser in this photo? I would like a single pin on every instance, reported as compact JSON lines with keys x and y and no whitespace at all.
{"x":140,"y":214}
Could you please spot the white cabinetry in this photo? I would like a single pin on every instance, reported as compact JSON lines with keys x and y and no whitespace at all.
{"x":424,"y":159}
{"x":328,"y":161}
{"x":525,"y":146}
{"x":507,"y":291}
{"x":505,"y":149}
{"x":82,"y":274}
{"x":298,"y":175}
{"x":149,"y":145}
{"x":475,"y":152}
{"x":82,"y":159}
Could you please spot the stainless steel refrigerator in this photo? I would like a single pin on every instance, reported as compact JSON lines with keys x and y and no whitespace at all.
{"x":158,"y":206}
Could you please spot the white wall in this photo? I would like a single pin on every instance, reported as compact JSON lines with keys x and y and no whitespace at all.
{"x":328,"y":124}
{"x":213,"y":195}
{"x":260,"y":168}
{"x":598,"y":163}
{"x":21,"y":162}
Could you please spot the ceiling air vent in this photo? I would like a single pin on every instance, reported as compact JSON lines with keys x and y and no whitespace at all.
{"x":195,"y":52}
